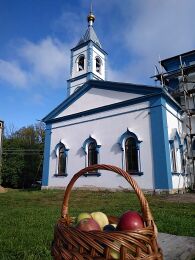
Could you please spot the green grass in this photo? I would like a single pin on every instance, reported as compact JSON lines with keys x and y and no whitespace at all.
{"x":27,"y":218}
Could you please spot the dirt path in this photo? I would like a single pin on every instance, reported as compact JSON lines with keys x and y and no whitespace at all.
{"x":2,"y":190}
{"x":184,"y":198}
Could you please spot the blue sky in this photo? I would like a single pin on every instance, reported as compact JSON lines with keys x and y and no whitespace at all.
{"x":37,"y":35}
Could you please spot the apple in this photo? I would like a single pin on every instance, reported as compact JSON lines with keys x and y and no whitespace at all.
{"x":83,"y":215}
{"x":131,"y":221}
{"x":101,"y":218}
{"x":88,"y":224}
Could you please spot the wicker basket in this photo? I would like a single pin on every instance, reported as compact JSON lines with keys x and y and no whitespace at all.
{"x":71,"y":243}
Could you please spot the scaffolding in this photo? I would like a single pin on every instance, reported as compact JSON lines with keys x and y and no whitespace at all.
{"x":177,"y":76}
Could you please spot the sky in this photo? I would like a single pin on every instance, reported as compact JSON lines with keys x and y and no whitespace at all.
{"x":37,"y":35}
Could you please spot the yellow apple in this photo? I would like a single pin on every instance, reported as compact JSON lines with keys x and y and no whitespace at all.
{"x":100,"y":218}
{"x":83,"y":215}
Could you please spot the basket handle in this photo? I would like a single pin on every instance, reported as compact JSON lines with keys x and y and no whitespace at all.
{"x":143,"y":202}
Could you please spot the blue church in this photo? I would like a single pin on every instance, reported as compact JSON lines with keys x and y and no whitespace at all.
{"x":138,"y":128}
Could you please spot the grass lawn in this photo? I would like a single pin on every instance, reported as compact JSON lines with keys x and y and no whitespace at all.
{"x":27,"y":218}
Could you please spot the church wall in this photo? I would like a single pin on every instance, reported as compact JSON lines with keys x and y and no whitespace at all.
{"x":173,"y":122}
{"x":173,"y":119}
{"x":106,"y":128}
{"x":96,"y":98}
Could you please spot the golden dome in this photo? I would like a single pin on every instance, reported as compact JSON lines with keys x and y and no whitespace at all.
{"x":91,"y":17}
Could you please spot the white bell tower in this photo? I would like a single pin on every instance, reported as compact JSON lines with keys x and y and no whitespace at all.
{"x":88,"y":59}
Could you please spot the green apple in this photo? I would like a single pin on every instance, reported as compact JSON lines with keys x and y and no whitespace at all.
{"x":100,"y":218}
{"x":83,"y":215}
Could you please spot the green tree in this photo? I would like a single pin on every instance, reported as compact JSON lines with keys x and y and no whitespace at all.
{"x":23,"y":156}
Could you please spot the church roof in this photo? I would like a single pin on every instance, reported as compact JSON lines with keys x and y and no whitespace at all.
{"x":90,"y":35}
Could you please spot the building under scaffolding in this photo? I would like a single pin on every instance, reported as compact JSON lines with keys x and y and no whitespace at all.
{"x":177,"y":75}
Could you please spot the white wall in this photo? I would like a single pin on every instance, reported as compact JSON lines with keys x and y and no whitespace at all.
{"x":97,"y":98}
{"x":173,"y":122}
{"x":76,"y":84}
{"x":106,"y":128}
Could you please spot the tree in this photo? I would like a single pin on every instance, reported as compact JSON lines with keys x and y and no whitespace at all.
{"x":23,"y":156}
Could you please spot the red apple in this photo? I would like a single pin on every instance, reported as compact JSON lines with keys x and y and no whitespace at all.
{"x":131,"y":221}
{"x":88,"y":224}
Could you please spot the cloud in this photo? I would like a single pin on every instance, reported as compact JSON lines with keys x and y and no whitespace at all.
{"x":146,"y":31}
{"x":45,"y":64}
{"x":11,"y":73}
{"x":161,"y":29}
{"x":70,"y":25}
{"x":134,"y":37}
{"x":47,"y":60}
{"x":120,"y":75}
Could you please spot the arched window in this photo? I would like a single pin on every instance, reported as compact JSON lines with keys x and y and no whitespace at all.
{"x":61,"y":153}
{"x":131,"y":155}
{"x":81,"y":63}
{"x":61,"y":160}
{"x":130,"y":146}
{"x":98,"y":65}
{"x":92,"y":153}
{"x":176,"y":152}
{"x":91,"y":149}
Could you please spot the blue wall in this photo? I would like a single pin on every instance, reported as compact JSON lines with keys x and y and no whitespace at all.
{"x":160,"y":144}
{"x":45,"y":176}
